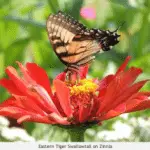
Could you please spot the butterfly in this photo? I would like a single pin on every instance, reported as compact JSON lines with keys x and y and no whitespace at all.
{"x":75,"y":44}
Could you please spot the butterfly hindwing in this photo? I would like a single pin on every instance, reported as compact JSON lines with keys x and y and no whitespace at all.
{"x":79,"y":52}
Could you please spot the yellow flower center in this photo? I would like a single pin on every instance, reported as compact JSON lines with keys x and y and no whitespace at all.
{"x":84,"y":86}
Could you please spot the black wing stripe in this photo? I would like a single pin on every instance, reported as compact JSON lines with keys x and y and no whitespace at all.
{"x":66,"y":54}
{"x":55,"y":45}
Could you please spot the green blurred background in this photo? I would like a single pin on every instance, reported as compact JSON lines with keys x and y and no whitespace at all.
{"x":23,"y":37}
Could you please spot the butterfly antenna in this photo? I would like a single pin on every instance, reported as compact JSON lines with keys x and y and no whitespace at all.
{"x":120,"y":26}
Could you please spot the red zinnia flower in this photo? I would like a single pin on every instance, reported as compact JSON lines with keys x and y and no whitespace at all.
{"x":89,"y":100}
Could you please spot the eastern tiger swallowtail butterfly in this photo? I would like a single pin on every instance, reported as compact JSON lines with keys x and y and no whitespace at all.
{"x":74,"y":44}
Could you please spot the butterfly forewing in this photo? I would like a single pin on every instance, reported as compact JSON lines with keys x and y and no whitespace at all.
{"x":63,"y":26}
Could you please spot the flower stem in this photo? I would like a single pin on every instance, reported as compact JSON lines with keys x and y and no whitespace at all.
{"x":76,"y":134}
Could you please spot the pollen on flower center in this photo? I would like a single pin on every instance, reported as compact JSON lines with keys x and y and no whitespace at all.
{"x":84,"y":86}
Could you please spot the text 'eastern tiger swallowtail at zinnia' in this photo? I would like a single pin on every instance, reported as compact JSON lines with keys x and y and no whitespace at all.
{"x":75,"y":44}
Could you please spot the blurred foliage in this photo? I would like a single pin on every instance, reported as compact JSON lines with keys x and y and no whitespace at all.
{"x":23,"y":37}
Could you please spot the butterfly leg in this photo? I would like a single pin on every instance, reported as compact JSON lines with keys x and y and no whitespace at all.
{"x":75,"y":71}
{"x":78,"y":78}
{"x":68,"y":75}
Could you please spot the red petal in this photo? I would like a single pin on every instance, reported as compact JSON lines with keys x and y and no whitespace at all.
{"x":35,"y":118}
{"x":42,"y":99}
{"x":56,"y":102}
{"x":127,"y":94}
{"x":23,"y":115}
{"x":141,"y":106}
{"x":10,"y":86}
{"x":95,"y":107}
{"x":113,"y":113}
{"x":129,"y":76}
{"x":11,"y":101}
{"x":123,"y":66}
{"x":30,"y":105}
{"x":39,"y":75}
{"x":61,"y":76}
{"x":63,"y":95}
{"x":84,"y":113}
{"x":16,"y":79}
{"x":26,"y":75}
{"x":14,"y":112}
{"x":139,"y":103}
{"x":109,"y":115}
{"x":83,"y":71}
{"x":112,"y":90}
{"x":103,"y":84}
{"x":118,"y":88}
{"x":58,"y":119}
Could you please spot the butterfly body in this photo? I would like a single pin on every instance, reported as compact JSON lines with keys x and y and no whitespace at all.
{"x":73,"y":43}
